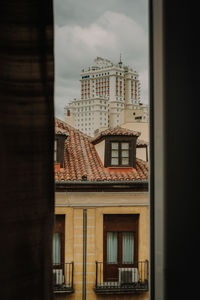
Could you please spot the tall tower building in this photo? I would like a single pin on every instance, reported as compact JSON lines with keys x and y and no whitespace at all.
{"x":106,"y":90}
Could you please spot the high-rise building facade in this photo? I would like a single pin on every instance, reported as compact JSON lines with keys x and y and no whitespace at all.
{"x":106,"y":90}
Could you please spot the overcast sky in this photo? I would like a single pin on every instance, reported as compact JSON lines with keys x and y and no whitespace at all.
{"x":85,"y":29}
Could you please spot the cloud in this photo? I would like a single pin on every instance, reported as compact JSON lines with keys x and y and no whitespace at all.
{"x":76,"y":47}
{"x":88,"y":11}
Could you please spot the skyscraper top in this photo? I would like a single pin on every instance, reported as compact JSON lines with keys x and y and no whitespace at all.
{"x":103,"y":63}
{"x":100,"y":62}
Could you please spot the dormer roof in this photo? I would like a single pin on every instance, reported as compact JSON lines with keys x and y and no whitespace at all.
{"x":116,"y":131}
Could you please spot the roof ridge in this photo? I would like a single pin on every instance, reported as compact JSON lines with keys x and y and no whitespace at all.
{"x":118,"y":130}
{"x":70,"y":127}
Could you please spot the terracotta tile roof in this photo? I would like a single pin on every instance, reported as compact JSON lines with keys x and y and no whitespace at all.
{"x":141,"y":143}
{"x":81,"y":159}
{"x":115,"y":131}
{"x":62,"y":131}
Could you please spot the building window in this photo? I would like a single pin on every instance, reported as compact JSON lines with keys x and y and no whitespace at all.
{"x":112,"y":247}
{"x":126,"y":244}
{"x":120,"y":154}
{"x":120,"y":243}
{"x":120,"y":151}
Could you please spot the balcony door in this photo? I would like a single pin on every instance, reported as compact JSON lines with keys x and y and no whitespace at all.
{"x":120,"y":244}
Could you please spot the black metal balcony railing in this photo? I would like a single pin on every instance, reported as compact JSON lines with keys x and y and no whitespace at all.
{"x":121,"y":279}
{"x":63,"y":278}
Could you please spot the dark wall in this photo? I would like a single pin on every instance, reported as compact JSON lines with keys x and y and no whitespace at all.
{"x":179,"y":76}
{"x":182,"y":151}
{"x":26,"y":149}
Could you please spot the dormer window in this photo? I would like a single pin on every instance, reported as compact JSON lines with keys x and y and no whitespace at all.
{"x":120,"y":155}
{"x":120,"y":151}
{"x":59,"y":142}
{"x":117,"y":147}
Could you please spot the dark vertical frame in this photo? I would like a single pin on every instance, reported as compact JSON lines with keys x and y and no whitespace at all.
{"x":157,"y":152}
{"x":84,"y":252}
{"x":26,"y":150}
{"x":151,"y":154}
{"x":174,"y":193}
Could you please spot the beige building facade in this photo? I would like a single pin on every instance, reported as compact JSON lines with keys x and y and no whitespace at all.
{"x":71,"y":205}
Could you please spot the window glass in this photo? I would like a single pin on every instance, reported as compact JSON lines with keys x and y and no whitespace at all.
{"x":125,"y":153}
{"x":115,"y":145}
{"x":112,"y":247}
{"x":55,"y":150}
{"x":119,"y":153}
{"x":125,"y":161}
{"x":56,"y":248}
{"x":127,"y":247}
{"x":114,"y":161}
{"x":125,"y":146}
{"x":115,"y":153}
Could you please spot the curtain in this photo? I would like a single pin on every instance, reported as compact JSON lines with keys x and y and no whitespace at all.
{"x":127,"y":247}
{"x":56,"y":248}
{"x":112,"y":247}
{"x":26,"y":151}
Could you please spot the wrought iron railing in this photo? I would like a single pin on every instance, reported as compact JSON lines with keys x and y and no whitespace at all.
{"x":63,"y":277}
{"x":122,"y":278}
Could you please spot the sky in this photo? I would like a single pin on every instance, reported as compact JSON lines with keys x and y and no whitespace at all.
{"x":85,"y":29}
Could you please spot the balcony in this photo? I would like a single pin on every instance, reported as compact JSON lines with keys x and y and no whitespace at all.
{"x":116,"y":279}
{"x":63,"y":278}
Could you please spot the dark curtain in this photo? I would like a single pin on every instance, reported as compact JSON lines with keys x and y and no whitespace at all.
{"x":26,"y":149}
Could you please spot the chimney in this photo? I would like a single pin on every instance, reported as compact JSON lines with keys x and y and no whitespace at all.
{"x":60,"y":138}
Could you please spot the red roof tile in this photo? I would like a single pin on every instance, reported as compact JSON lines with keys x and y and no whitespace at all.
{"x":115,"y":131}
{"x":81,"y":159}
{"x":61,"y":131}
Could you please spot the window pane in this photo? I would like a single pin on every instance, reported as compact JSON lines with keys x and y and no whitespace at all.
{"x":115,"y":153}
{"x":115,"y":145}
{"x":57,"y":248}
{"x":125,"y":146}
{"x":55,"y":150}
{"x":114,"y":161}
{"x":125,"y":161}
{"x":55,"y":156}
{"x":55,"y":144}
{"x":127,"y":247}
{"x":125,"y":153}
{"x":112,"y":247}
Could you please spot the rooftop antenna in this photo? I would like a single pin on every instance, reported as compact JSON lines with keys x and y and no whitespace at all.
{"x":120,"y":60}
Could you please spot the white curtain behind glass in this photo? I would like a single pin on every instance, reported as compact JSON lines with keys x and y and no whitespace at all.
{"x":127,"y":247}
{"x":56,"y":248}
{"x":112,"y":247}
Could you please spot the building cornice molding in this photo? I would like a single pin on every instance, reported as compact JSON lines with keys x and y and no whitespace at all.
{"x":109,"y":186}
